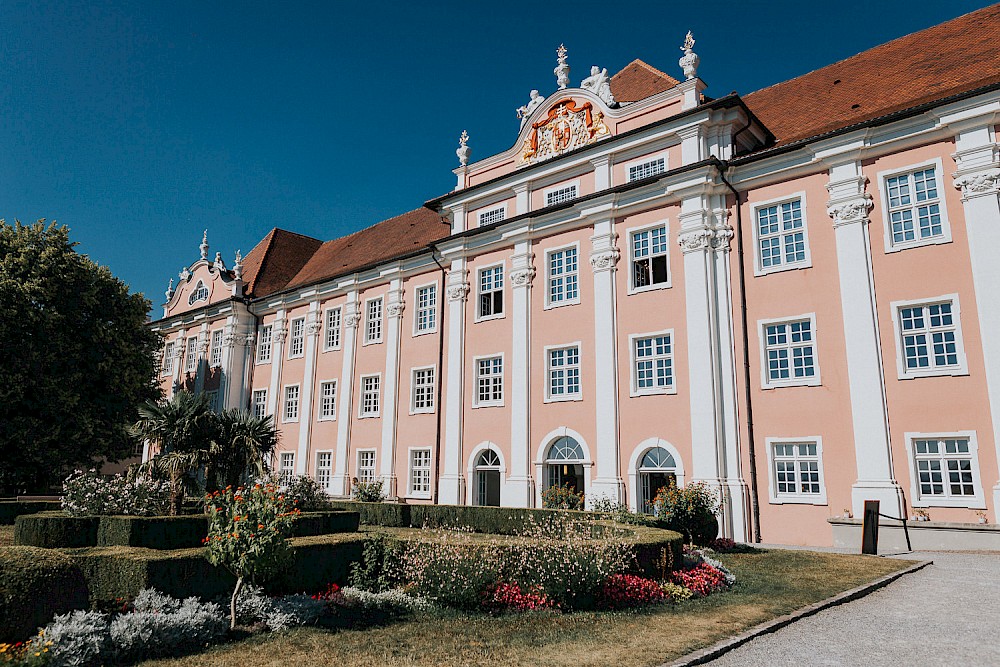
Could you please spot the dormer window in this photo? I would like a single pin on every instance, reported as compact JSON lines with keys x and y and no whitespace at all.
{"x":200,"y":293}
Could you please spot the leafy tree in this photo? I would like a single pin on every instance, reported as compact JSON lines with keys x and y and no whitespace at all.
{"x":76,"y":358}
{"x":243,"y":448}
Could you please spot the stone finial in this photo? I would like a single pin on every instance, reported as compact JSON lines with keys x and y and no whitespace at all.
{"x":238,"y":266}
{"x":204,"y":245}
{"x":562,"y":69}
{"x":463,"y":149}
{"x":170,"y":290}
{"x":689,"y":61}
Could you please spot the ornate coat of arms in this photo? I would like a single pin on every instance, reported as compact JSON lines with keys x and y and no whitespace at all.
{"x":567,"y":126}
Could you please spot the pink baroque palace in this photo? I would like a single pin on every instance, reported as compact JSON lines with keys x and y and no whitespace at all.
{"x":790,"y":296}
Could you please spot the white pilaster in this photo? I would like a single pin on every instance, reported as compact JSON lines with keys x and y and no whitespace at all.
{"x":849,"y":206}
{"x":451,"y":485}
{"x":278,"y":335}
{"x":394,"y":304}
{"x":518,"y":489}
{"x":978,"y":176}
{"x":313,"y":326}
{"x":340,"y":484}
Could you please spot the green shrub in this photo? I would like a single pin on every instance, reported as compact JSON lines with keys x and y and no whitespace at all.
{"x":11,"y":509}
{"x":160,"y":532}
{"x":53,"y":530}
{"x":562,"y":498}
{"x":390,"y":515}
{"x":691,"y":511}
{"x":35,"y":585}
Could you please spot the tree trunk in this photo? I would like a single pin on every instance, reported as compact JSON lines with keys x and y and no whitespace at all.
{"x":232,"y":603}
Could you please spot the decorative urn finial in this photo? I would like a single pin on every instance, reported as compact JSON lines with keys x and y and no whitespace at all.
{"x":689,"y":61}
{"x":170,"y":289}
{"x":463,"y":149}
{"x":562,"y":69}
{"x":204,"y":245}
{"x":238,"y":266}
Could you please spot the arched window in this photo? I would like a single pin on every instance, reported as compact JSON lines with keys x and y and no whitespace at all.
{"x":564,"y":464}
{"x":488,"y":479}
{"x":199,"y":293}
{"x":657,"y":469}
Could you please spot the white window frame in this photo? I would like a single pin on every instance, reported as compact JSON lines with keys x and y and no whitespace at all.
{"x":632,"y":289}
{"x":561,"y":186}
{"x":503,"y":290}
{"x":361,"y":397}
{"x":417,"y":331}
{"x":411,"y":469}
{"x":414,"y":410}
{"x":549,"y":304}
{"x":956,"y":313}
{"x":357,"y":464}
{"x":322,"y":399}
{"x":285,"y":419}
{"x":885,"y":175}
{"x":332,"y":331}
{"x":758,"y":268}
{"x":265,"y":344}
{"x":191,"y":356}
{"x":299,"y":338}
{"x":253,"y":402}
{"x":286,"y":473}
{"x":977,"y":501}
{"x":487,"y":210}
{"x":168,"y":357}
{"x":798,"y":498}
{"x":215,"y":348}
{"x":765,"y":381}
{"x":368,"y":338}
{"x":329,"y":479}
{"x":644,"y":160}
{"x":476,"y":403}
{"x":548,"y":387}
{"x":635,"y":391}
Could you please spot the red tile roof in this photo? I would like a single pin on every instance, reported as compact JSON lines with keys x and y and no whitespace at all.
{"x":275,"y":260}
{"x":638,"y":80}
{"x":957,"y":56}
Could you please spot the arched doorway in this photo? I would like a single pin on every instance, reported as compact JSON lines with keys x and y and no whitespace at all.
{"x":564,"y":464}
{"x":657,"y":469}
{"x":487,"y":479}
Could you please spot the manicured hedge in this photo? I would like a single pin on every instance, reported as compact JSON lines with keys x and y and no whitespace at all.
{"x":152,"y":532}
{"x":11,"y":509}
{"x":392,"y":515}
{"x":53,"y":530}
{"x":35,"y":585}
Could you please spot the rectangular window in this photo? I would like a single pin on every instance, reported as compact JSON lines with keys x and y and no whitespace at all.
{"x":945,"y":469}
{"x":560,"y":195}
{"x":649,"y":258}
{"x":191,"y":355}
{"x":324,"y":469}
{"x":492,"y":215}
{"x":423,"y":390}
{"x":564,"y":276}
{"x":332,"y":340}
{"x":489,"y":381}
{"x":796,"y":469}
{"x":260,"y":403}
{"x":286,"y":469}
{"x":929,"y":339}
{"x":914,"y":207}
{"x":370,"y":385}
{"x":653,"y":359}
{"x":291,"y":412}
{"x":426,"y":318}
{"x":781,"y":236}
{"x":491,"y":291}
{"x":366,"y":465}
{"x":646,"y":169}
{"x":789,"y":354}
{"x":168,"y":358}
{"x":373,"y":321}
{"x":328,"y":400}
{"x":215,"y":350}
{"x":297,"y":338}
{"x":264,"y":344}
{"x":420,"y":471}
{"x":563,"y":373}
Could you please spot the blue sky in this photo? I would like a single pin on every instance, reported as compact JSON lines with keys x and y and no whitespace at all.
{"x":139,"y":124}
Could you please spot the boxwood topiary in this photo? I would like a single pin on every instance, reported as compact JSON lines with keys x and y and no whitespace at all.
{"x":35,"y":585}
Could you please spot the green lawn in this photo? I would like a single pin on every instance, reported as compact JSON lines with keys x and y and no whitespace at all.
{"x":769,"y":584}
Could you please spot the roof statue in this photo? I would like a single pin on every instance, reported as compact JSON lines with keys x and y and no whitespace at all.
{"x":533,"y":103}
{"x":599,"y":83}
{"x":562,"y":69}
{"x":204,"y":245}
{"x":689,"y":61}
{"x":463,"y":149}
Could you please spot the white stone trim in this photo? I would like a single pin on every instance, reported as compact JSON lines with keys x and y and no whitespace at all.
{"x":807,"y":263}
{"x":632,"y":289}
{"x":476,"y":286}
{"x":545,"y":366}
{"x":549,"y":305}
{"x":884,"y":212}
{"x":978,"y":501}
{"x":797,"y":498}
{"x":956,"y":313}
{"x":765,"y":381}
{"x":476,"y":403}
{"x":437,"y":308}
{"x":413,"y":388}
{"x":633,"y":467}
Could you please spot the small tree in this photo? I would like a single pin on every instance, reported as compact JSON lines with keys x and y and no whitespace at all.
{"x":248,"y":534}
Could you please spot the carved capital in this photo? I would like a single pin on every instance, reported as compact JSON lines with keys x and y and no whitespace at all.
{"x":522,"y":277}
{"x":978,"y":184}
{"x":458,"y":292}
{"x":850,"y":211}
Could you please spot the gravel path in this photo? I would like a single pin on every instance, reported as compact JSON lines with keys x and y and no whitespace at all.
{"x":945,"y":614}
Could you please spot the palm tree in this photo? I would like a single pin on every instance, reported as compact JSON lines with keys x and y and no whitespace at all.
{"x":243,"y":448}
